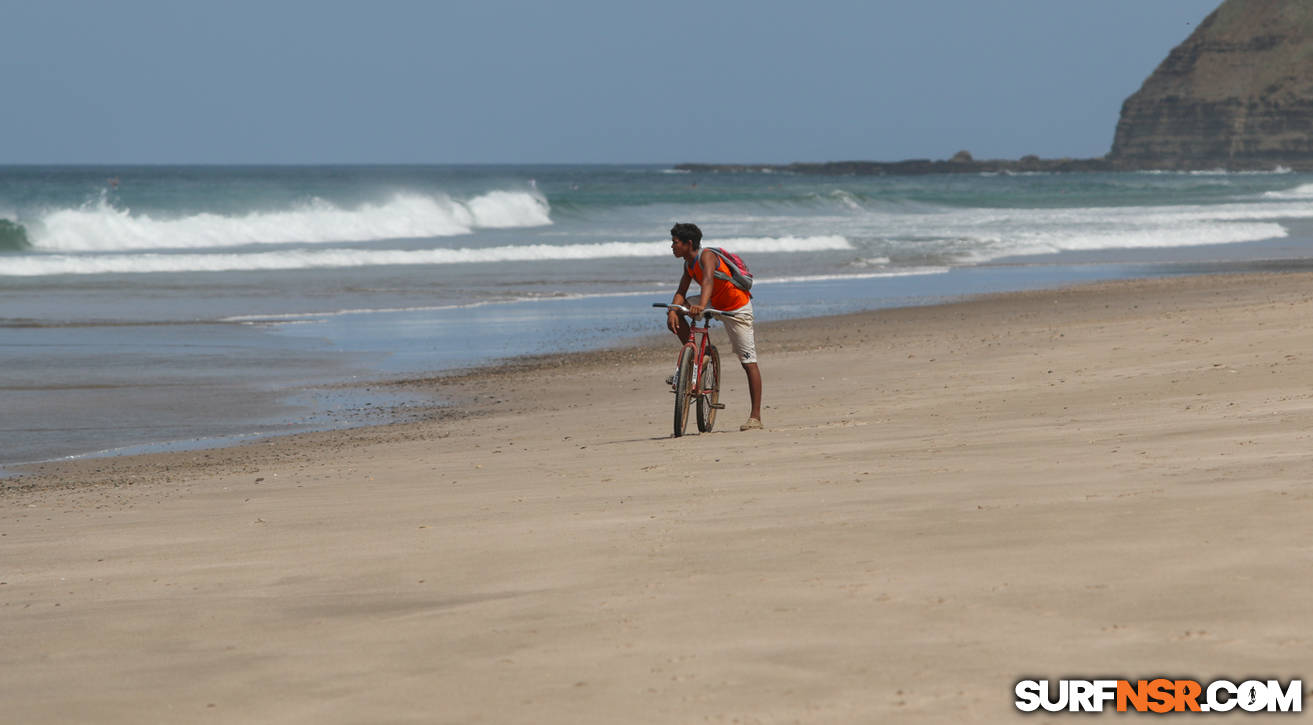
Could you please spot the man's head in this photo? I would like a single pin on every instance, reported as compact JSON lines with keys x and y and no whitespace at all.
{"x":685,"y":232}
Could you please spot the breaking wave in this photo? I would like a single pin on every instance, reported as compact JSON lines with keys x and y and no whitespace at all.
{"x":101,"y":227}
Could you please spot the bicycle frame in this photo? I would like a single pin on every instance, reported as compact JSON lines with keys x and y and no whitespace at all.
{"x":699,"y":348}
{"x":698,"y":343}
{"x":695,"y":332}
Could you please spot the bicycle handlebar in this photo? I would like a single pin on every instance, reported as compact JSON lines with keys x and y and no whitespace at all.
{"x":686,"y":311}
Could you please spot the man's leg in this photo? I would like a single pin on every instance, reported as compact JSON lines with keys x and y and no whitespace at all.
{"x":741,"y":335}
{"x":754,"y":388}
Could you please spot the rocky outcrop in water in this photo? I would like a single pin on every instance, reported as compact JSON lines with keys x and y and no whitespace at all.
{"x":1238,"y":93}
{"x":915,"y":167}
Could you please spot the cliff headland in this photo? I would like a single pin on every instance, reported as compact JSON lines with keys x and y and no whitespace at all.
{"x":1236,"y":95}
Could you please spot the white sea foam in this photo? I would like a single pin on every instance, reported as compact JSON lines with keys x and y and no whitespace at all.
{"x":101,"y":227}
{"x":1186,"y":235}
{"x":1278,"y":169}
{"x":508,"y":209}
{"x":979,"y":234}
{"x":1303,"y":191}
{"x":904,"y":272}
{"x":50,"y":264}
{"x":870,"y":262}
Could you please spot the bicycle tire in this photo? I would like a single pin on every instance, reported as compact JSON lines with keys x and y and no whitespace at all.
{"x":709,"y":395}
{"x":684,"y":392}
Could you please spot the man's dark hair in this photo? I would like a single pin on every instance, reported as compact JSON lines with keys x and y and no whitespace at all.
{"x":686,"y":232}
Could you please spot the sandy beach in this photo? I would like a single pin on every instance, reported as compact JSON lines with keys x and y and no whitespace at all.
{"x":1110,"y":480}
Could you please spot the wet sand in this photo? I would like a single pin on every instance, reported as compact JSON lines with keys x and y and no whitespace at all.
{"x":1111,"y":480}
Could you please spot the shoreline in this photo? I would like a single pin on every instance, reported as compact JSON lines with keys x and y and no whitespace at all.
{"x":466,"y":392}
{"x":353,"y":402}
{"x":1105,"y":479}
{"x":463,"y":389}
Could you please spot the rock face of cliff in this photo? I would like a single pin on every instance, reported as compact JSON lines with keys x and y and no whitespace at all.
{"x":1238,"y":93}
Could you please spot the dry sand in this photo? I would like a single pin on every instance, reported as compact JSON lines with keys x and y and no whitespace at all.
{"x":1106,"y":480}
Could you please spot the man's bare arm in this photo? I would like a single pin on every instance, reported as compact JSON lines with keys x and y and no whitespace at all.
{"x":672,"y":317}
{"x":707,"y":266}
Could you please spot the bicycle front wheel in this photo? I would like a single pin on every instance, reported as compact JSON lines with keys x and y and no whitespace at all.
{"x":684,"y":392}
{"x":709,"y":393}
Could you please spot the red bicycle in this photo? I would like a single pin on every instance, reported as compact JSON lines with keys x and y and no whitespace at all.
{"x":697,"y":372}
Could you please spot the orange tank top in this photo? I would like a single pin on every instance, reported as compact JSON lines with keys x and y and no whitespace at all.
{"x":724,"y":295}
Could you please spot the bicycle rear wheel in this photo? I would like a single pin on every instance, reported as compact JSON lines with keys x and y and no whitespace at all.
{"x":709,"y":395}
{"x":684,"y":392}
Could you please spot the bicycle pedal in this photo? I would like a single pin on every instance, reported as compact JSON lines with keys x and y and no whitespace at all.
{"x":718,"y":406}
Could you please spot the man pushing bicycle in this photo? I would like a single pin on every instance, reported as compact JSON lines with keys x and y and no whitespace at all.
{"x":717,"y":292}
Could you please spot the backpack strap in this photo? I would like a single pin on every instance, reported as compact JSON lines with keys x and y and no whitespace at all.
{"x":690,"y":268}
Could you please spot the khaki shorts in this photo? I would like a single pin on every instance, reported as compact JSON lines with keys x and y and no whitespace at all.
{"x":739,"y":328}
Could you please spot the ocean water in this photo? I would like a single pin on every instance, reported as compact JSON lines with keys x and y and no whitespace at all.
{"x":177,"y":306}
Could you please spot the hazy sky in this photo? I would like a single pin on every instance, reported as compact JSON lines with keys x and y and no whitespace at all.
{"x":547,"y":81}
